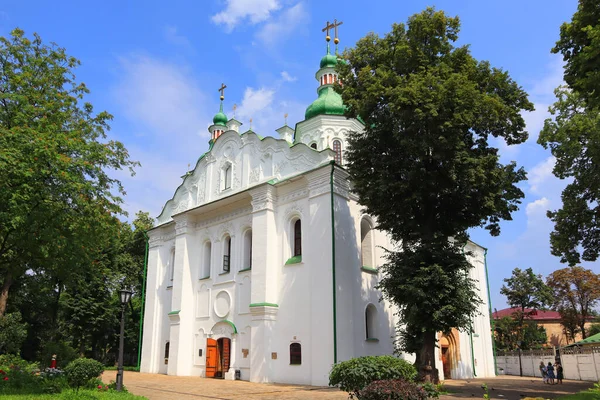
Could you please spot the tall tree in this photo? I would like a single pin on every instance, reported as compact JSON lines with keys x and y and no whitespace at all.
{"x":573,"y":136}
{"x":578,"y":290}
{"x":569,"y":319}
{"x":57,"y":200}
{"x":429,"y":110}
{"x":525,"y":290}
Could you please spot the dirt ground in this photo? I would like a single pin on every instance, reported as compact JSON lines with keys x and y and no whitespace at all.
{"x":163,"y":387}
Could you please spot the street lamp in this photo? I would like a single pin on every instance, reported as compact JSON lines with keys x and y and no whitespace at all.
{"x":124,"y":296}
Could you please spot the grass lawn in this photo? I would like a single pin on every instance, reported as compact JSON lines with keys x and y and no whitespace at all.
{"x":72,"y":395}
{"x":581,"y":396}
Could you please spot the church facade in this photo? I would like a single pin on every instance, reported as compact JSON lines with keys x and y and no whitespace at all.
{"x":263,"y":266}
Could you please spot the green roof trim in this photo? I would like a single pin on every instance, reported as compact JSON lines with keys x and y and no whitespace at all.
{"x":371,"y":340}
{"x":232,"y":325}
{"x":294,"y":260}
{"x":264,"y":305}
{"x":369,"y":270}
{"x":174,"y":312}
{"x":594,"y":339}
{"x":220,"y":118}
{"x":245,"y":270}
{"x":329,"y":102}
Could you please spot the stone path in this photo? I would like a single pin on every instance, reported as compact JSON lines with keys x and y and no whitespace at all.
{"x":163,"y":387}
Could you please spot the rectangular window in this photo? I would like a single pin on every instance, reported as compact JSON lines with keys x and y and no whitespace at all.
{"x":225,"y":263}
{"x":295,"y":354}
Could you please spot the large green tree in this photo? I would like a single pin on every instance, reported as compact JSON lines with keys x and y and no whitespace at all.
{"x":576,"y":291}
{"x":424,"y":165}
{"x":58,"y":203}
{"x":573,"y":136}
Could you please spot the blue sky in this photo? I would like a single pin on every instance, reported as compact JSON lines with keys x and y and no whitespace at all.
{"x":156,"y":66}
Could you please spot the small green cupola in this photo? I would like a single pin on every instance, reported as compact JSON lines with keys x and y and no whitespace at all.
{"x":219,"y":120}
{"x":329,"y":101}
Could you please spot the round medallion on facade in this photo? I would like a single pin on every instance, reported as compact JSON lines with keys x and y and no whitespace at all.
{"x":222,"y":304}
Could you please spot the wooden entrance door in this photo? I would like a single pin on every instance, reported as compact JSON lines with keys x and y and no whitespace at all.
{"x":211,"y":358}
{"x":446,"y":361}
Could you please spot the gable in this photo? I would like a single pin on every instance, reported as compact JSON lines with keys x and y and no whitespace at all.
{"x":252,"y":159}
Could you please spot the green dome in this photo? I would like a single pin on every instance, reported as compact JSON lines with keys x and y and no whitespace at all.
{"x":329,"y":61}
{"x":220,"y":118}
{"x":329,"y":102}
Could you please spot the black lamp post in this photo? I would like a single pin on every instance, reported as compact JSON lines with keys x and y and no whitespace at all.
{"x":124,"y":296}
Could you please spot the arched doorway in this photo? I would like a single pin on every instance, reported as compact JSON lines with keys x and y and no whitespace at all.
{"x":218,"y":356}
{"x":449,"y":354}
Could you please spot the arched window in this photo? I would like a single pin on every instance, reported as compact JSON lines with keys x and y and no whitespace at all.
{"x":330,"y":78}
{"x":247,"y":264}
{"x":295,"y":354}
{"x":313,"y":145}
{"x":297,"y":243}
{"x":366,"y":243}
{"x":226,"y":253}
{"x":337,"y":147}
{"x":370,"y":322}
{"x":206,"y":257}
{"x":167,"y":345}
{"x":227,"y":178}
{"x":171,"y":265}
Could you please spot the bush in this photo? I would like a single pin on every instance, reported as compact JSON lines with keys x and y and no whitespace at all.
{"x":12,"y":333}
{"x":396,"y":389}
{"x":355,"y":374}
{"x":82,"y":370}
{"x":16,"y":373}
{"x":64,"y":354}
{"x":432,"y":391}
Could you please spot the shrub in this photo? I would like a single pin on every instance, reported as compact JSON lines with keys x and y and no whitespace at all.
{"x":12,"y":333}
{"x":64,"y":354}
{"x":16,"y":373}
{"x":393,"y":389}
{"x":432,"y":391}
{"x":355,"y":374}
{"x":81,"y":371}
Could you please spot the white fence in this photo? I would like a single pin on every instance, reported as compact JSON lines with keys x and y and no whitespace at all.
{"x":581,"y":363}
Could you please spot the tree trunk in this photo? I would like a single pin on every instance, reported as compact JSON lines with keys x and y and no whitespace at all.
{"x":426,"y":357}
{"x":8,"y":281}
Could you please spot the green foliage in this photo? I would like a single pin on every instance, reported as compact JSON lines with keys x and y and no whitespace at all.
{"x":512,"y":333}
{"x":593,"y":329}
{"x":524,"y":289}
{"x":576,"y":290}
{"x":64,"y":354}
{"x":397,"y":389}
{"x":430,"y":110}
{"x":81,"y":371}
{"x":579,"y":43}
{"x":432,"y":391}
{"x":12,"y":333}
{"x":356,"y":373}
{"x":60,"y":205}
{"x":73,"y":395}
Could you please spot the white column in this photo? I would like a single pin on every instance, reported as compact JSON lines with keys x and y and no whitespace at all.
{"x":151,"y":343}
{"x":182,"y":314}
{"x":265,"y":281}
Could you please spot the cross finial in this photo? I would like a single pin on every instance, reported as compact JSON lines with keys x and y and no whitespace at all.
{"x":222,"y":90}
{"x":234,"y":108}
{"x":285,"y":118}
{"x":326,"y":29}
{"x":189,"y":166}
{"x":335,"y":25}
{"x":250,"y":123}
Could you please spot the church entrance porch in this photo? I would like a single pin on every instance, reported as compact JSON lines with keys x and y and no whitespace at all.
{"x":218,"y":353}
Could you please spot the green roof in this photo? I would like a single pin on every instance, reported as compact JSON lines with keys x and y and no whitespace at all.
{"x":594,"y":339}
{"x":328,"y":61}
{"x":329,"y":102}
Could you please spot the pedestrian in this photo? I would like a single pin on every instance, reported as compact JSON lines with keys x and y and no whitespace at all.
{"x":559,"y":373}
{"x":543,"y":371}
{"x":550,"y":372}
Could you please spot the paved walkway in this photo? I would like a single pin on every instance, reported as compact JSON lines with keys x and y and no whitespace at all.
{"x":163,"y":387}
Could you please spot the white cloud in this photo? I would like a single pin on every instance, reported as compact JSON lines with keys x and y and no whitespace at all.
{"x":537,"y":208}
{"x":255,"y":102}
{"x":287,"y":77}
{"x":173,"y":37}
{"x":540,"y":173}
{"x":284,"y":25}
{"x":238,"y":10}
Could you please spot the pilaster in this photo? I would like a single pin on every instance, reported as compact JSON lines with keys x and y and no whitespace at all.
{"x":181,"y":316}
{"x":152,"y":314}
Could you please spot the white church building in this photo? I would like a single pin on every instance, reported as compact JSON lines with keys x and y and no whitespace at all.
{"x":263,"y":265}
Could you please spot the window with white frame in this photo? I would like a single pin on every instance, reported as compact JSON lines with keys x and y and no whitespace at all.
{"x":227,"y":254}
{"x":370,"y":322}
{"x":171,"y":266}
{"x":366,"y":243}
{"x":206,"y":260}
{"x":247,"y":259}
{"x":296,"y":241}
{"x":227,"y":177}
{"x":337,"y":148}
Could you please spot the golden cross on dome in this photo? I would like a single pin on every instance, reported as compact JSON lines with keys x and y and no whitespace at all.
{"x":335,"y":26}
{"x":250,"y":123}
{"x":285,"y":117}
{"x":326,"y":29}
{"x":222,"y":90}
{"x":234,"y":108}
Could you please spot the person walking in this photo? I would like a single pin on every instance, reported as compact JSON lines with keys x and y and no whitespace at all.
{"x":550,"y":372}
{"x":559,"y":373}
{"x":543,"y":371}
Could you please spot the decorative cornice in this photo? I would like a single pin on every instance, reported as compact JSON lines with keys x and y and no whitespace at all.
{"x":264,"y":311}
{"x":263,"y":198}
{"x":182,"y":225}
